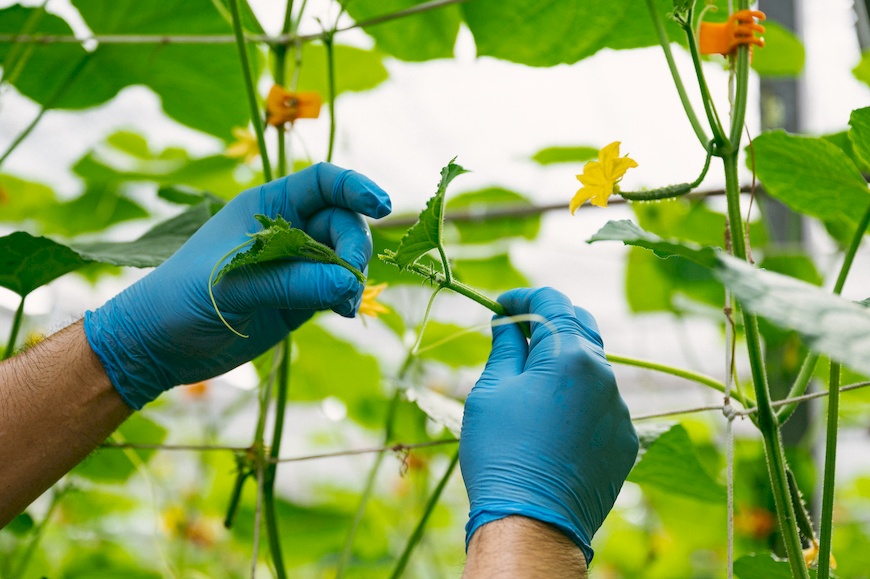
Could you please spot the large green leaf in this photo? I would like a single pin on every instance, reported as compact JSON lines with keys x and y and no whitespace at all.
{"x":27,"y":262}
{"x":859,"y":133}
{"x":426,"y":234}
{"x":356,"y":69}
{"x":278,"y":240}
{"x":154,"y":247}
{"x":827,"y":323}
{"x":493,"y":228}
{"x":325,"y":365}
{"x":22,"y":200}
{"x":200,"y":85}
{"x":414,"y":38}
{"x":783,"y":53}
{"x":117,"y":465}
{"x":671,"y":464}
{"x":811,"y":175}
{"x":558,"y":31}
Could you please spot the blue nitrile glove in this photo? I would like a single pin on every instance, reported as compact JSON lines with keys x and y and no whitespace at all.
{"x":163,"y":331}
{"x":545,"y":433}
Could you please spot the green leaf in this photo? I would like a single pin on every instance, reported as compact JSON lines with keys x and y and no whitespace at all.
{"x":827,"y":323}
{"x":154,"y":247}
{"x":783,"y":53}
{"x":354,"y":378}
{"x":862,"y":70}
{"x":544,"y":33}
{"x":22,"y":200}
{"x":98,"y":208}
{"x":454,"y":345}
{"x":859,"y":133}
{"x":493,"y":228}
{"x":491,"y":273}
{"x":439,"y":408}
{"x":20,"y":525}
{"x":671,"y":464}
{"x":756,"y":566}
{"x":844,"y":142}
{"x":278,"y":240}
{"x":426,"y":234}
{"x":631,"y":234}
{"x":551,"y":155}
{"x":424,"y":36}
{"x":356,"y":69}
{"x":28,"y":262}
{"x":114,"y":465}
{"x":811,"y":176}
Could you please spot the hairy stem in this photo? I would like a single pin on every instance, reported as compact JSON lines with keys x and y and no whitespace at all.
{"x":826,"y":524}
{"x":250,"y":88}
{"x":767,"y":422}
{"x":665,"y":43}
{"x":415,"y":537}
{"x":271,"y":469}
{"x":709,"y":106}
{"x":280,"y":52}
{"x":16,"y":327}
{"x":328,"y":42}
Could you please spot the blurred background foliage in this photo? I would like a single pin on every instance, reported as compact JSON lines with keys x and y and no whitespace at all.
{"x":128,"y":512}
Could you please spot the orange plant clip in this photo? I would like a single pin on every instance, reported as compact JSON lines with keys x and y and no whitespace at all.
{"x":739,"y":30}
{"x":283,"y":106}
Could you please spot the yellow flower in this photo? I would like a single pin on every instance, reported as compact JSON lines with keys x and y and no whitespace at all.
{"x":369,"y":306}
{"x":245,"y":146}
{"x":600,"y":177}
{"x":811,"y":552}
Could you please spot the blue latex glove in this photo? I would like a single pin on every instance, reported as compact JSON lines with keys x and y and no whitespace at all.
{"x":163,"y":331}
{"x":545,"y":433}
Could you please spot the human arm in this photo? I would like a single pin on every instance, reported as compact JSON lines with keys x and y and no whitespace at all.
{"x":162,"y":331}
{"x":545,"y":434}
{"x":522,"y":548}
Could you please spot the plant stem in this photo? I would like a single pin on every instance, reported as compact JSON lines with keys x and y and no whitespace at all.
{"x":16,"y":327}
{"x":807,"y":370}
{"x":280,"y":52}
{"x":48,"y":104}
{"x":272,"y":468}
{"x":665,"y":43}
{"x":251,"y":88}
{"x":826,"y":524}
{"x":767,"y":422}
{"x":415,"y":537}
{"x":709,"y":106}
{"x":369,"y":486}
{"x":328,"y":42}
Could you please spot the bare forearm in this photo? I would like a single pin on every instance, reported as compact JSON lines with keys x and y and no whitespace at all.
{"x":522,"y":548}
{"x":56,"y":406}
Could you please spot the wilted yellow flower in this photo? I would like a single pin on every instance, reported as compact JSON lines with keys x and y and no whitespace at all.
{"x":600,"y":177}
{"x":811,"y":552}
{"x":245,"y":146}
{"x":369,"y":306}
{"x":283,"y":106}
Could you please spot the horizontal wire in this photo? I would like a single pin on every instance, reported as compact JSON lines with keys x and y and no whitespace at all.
{"x":401,"y":447}
{"x":280,"y":40}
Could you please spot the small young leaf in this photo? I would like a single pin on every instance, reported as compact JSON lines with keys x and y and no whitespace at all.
{"x":278,"y":240}
{"x":425,"y":235}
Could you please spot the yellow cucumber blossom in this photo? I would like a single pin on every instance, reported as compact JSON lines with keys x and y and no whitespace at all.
{"x":245,"y":146}
{"x":600,"y":177}
{"x":369,"y":306}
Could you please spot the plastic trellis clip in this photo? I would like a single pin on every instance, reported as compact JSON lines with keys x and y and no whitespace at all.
{"x":739,"y":30}
{"x":283,"y":106}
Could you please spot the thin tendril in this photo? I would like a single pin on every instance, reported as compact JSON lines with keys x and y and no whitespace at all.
{"x":211,"y":292}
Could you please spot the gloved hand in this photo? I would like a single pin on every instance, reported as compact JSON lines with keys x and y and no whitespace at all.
{"x":163,"y":331}
{"x":545,"y":433}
